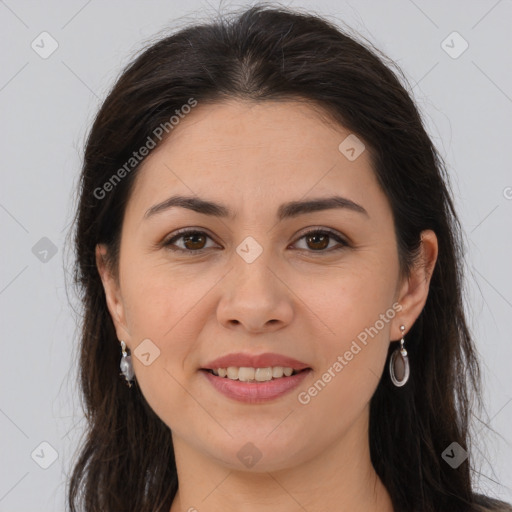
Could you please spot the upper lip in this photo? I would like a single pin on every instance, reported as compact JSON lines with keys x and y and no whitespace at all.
{"x":265,"y":360}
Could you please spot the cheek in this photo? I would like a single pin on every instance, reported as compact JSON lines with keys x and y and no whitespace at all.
{"x":158,"y":295}
{"x":355,"y":299}
{"x":357,"y":310}
{"x":161,"y":305}
{"x":351,"y":364}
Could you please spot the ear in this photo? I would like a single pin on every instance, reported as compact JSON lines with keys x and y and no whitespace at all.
{"x":113,"y":294}
{"x":414,"y":290}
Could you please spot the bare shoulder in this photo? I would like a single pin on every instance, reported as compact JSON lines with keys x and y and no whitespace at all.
{"x":488,"y":504}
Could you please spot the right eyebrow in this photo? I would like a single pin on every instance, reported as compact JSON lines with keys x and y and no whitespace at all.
{"x":286,"y":210}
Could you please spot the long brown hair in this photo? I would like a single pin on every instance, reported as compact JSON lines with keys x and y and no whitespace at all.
{"x":126,"y":461}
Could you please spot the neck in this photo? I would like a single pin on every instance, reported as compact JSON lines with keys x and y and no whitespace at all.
{"x":341,"y":478}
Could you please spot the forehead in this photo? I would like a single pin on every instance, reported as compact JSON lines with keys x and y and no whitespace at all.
{"x":248,"y":150}
{"x":260,"y":129}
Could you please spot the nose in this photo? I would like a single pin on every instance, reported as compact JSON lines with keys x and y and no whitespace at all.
{"x":255,"y":298}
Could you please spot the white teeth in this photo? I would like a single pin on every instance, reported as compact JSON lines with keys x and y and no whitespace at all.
{"x":263,"y":374}
{"x":247,"y":374}
{"x":277,"y":372}
{"x":232,"y":372}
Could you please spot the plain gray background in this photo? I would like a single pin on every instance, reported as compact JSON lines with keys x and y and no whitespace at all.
{"x":47,"y":105}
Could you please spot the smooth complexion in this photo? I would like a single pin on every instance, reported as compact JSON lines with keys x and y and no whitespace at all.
{"x":301,"y":297}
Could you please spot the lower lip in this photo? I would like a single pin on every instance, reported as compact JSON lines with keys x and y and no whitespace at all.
{"x":256,"y":392}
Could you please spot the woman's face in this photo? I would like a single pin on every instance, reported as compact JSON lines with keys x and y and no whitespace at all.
{"x":253,"y":281}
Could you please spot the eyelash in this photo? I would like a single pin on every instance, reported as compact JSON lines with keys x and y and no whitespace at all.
{"x":181,"y":233}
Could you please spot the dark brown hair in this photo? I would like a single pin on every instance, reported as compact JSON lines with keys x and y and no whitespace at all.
{"x":270,"y":53}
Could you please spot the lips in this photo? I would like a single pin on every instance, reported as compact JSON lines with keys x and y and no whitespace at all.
{"x":255,"y":361}
{"x":256,"y":392}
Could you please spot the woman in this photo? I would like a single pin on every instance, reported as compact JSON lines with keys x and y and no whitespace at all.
{"x":268,"y":251}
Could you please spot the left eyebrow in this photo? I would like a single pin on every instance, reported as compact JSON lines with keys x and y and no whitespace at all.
{"x":285,"y":211}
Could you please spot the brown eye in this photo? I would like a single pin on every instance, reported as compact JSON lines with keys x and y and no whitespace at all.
{"x":192,"y":240}
{"x":318,"y":240}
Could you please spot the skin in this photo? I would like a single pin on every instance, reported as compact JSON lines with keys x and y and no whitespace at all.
{"x":293,"y":299}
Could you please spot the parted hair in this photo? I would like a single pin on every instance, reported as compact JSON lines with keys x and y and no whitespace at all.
{"x":272,"y":53}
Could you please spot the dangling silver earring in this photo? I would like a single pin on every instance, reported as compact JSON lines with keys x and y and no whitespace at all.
{"x":126,"y":366}
{"x":399,"y":363}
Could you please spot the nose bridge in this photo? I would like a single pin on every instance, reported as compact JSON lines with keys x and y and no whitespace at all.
{"x":253,"y":263}
{"x":253,"y":294}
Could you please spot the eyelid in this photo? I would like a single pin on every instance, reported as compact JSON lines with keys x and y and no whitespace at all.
{"x":185,"y":231}
{"x":311,"y":230}
{"x":322,"y":229}
{"x":340,"y":239}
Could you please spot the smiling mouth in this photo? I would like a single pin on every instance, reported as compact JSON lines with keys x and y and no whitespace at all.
{"x":254,"y":375}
